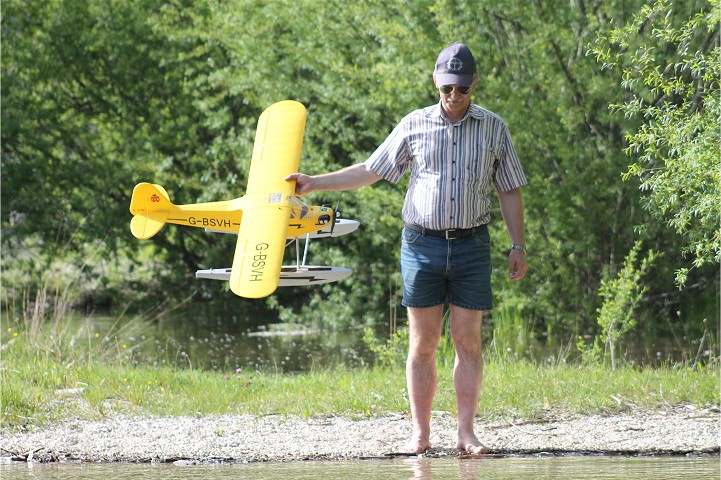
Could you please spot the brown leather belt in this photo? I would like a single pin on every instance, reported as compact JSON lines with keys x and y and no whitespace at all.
{"x":452,"y":234}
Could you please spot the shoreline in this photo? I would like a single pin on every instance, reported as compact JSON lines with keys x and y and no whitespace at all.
{"x":674,"y":430}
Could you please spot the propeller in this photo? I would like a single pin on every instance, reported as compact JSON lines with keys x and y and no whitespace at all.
{"x":336,"y":216}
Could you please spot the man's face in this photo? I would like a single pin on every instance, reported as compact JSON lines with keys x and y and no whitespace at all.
{"x":455,"y":103}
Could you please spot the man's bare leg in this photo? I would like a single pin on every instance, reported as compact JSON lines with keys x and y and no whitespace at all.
{"x":425,"y":326}
{"x":467,"y":373}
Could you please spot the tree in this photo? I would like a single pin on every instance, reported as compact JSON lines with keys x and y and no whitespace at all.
{"x":95,"y":99}
{"x":671,"y":70}
{"x":99,"y":95}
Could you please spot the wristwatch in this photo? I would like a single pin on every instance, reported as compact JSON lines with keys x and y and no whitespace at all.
{"x":519,"y":246}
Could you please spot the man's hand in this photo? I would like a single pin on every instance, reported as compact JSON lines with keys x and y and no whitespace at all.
{"x":303,"y":183}
{"x":517,"y":264}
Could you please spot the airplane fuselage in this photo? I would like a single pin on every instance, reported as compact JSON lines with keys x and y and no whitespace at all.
{"x":151,"y":201}
{"x":308,"y":220}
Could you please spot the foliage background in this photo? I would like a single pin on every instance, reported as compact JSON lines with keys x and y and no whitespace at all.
{"x":98,"y":95}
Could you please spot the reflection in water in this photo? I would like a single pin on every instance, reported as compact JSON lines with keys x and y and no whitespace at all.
{"x":581,"y":467}
{"x":508,"y":468}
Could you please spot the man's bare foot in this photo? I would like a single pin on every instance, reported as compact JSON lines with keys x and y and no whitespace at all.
{"x":417,"y":444}
{"x":470,"y":444}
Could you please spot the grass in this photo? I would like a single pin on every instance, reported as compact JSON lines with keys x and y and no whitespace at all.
{"x":51,"y":369}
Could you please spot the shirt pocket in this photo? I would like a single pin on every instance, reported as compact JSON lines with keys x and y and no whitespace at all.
{"x":479,"y":164}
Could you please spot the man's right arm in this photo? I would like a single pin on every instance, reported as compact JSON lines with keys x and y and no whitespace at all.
{"x":349,"y":178}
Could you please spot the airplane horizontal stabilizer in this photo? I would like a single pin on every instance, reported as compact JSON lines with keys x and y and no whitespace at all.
{"x":144,"y":227}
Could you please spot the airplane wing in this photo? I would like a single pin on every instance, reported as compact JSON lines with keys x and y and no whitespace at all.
{"x":264,"y":227}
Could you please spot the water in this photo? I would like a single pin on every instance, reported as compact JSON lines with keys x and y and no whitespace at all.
{"x":511,"y":468}
{"x":208,"y":341}
{"x":207,"y":344}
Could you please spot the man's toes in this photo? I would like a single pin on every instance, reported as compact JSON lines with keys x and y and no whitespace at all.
{"x":475,"y":449}
{"x":417,"y":447}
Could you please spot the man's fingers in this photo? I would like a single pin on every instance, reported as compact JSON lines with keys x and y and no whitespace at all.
{"x":517,"y":265}
{"x":302,"y":183}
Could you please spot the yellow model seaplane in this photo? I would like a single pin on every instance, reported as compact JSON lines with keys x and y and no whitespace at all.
{"x":264,"y":218}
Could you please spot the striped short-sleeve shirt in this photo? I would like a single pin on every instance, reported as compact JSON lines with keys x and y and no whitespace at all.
{"x":452,"y":166}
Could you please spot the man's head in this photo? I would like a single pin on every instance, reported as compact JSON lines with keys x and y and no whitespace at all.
{"x":455,"y":78}
{"x":455,"y":66}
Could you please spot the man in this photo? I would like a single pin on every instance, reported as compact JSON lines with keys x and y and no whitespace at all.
{"x":454,"y":151}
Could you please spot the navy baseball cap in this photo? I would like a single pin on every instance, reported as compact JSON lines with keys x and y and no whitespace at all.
{"x":455,"y":66}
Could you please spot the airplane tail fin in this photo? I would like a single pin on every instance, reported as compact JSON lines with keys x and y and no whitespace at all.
{"x":150,"y":206}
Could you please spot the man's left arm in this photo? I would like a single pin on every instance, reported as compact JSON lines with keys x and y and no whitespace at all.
{"x":512,"y":209}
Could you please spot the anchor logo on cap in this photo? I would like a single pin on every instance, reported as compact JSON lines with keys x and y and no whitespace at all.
{"x":454,"y":64}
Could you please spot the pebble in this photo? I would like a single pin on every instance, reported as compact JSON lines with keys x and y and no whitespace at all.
{"x":247,"y":438}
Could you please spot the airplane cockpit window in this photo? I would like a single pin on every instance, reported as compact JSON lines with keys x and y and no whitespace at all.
{"x":298,"y":209}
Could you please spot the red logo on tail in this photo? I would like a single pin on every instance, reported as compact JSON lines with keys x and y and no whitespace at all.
{"x":155,"y":198}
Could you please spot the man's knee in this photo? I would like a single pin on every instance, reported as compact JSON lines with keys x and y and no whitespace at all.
{"x":423,"y":349}
{"x":421,"y":360}
{"x":468,"y":347}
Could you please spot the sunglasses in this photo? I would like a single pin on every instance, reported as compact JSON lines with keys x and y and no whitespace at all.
{"x":446,"y":89}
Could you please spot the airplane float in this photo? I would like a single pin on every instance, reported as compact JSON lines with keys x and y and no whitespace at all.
{"x":265,"y":218}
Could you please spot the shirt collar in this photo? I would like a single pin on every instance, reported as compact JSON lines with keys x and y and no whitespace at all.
{"x":434,"y":111}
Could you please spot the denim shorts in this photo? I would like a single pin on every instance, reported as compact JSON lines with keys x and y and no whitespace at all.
{"x":435,"y":270}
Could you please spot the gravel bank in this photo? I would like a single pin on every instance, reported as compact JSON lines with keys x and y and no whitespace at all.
{"x":226,"y":438}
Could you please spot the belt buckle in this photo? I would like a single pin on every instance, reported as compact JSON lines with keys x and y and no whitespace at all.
{"x":450,"y":234}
